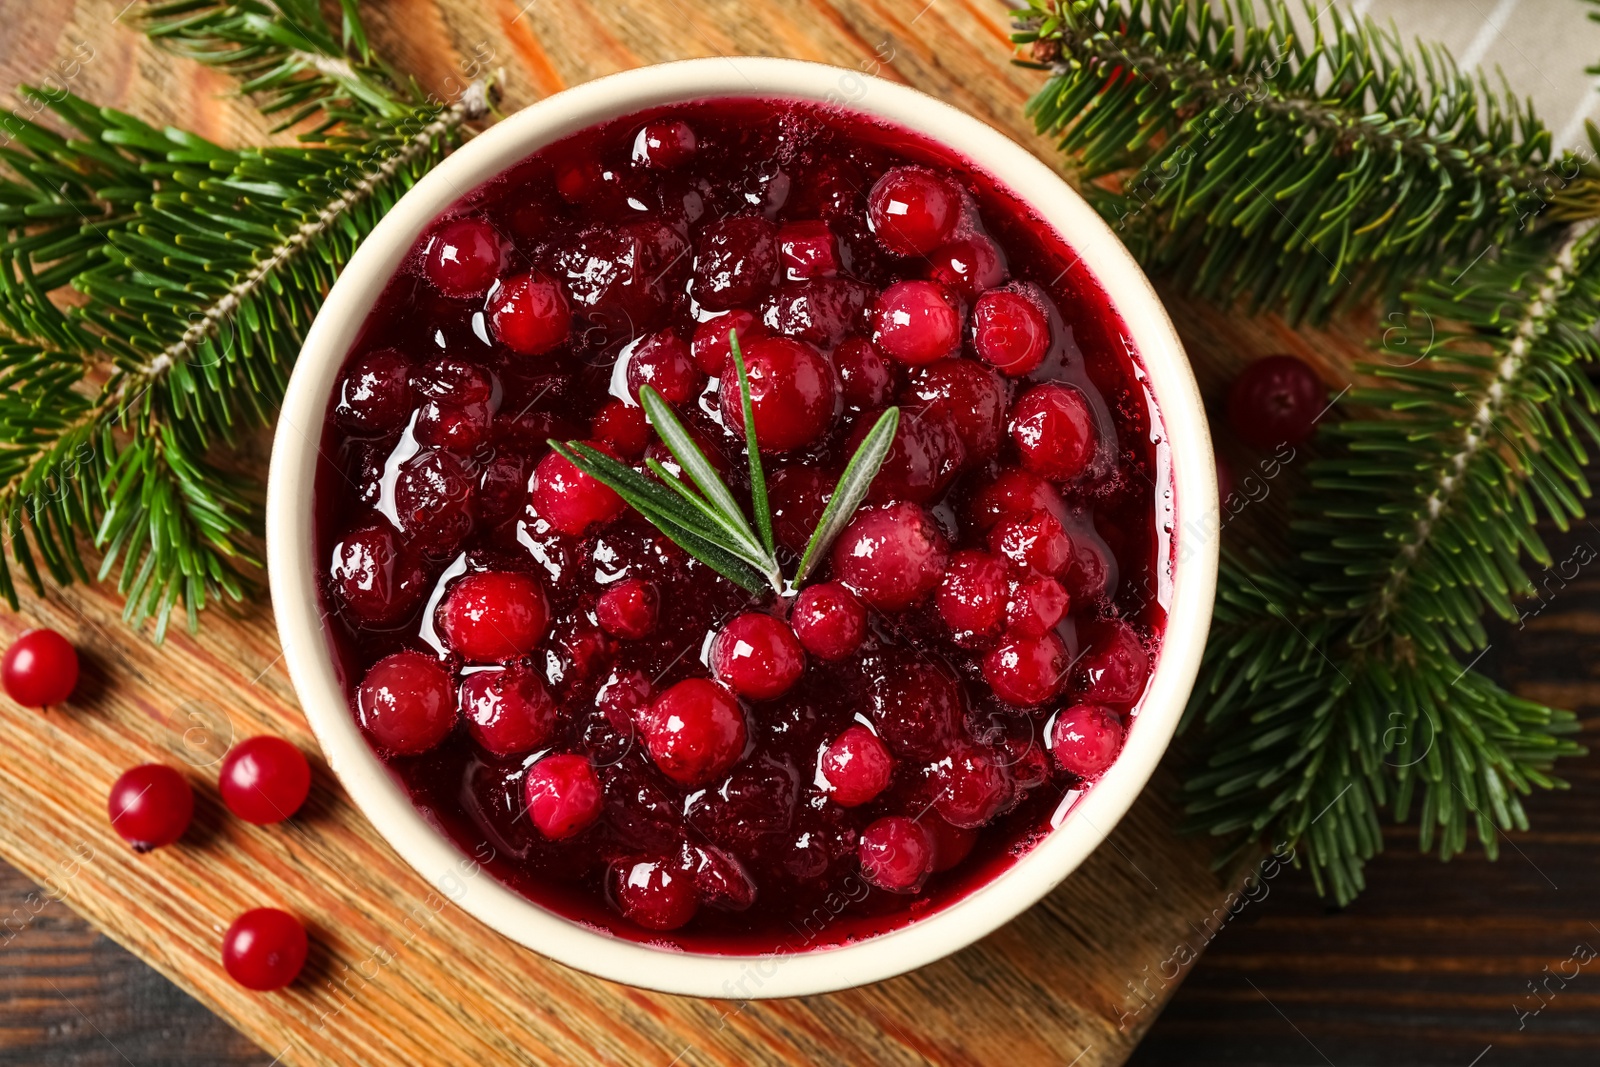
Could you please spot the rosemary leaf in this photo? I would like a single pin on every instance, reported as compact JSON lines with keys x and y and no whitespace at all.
{"x":758,"y":478}
{"x":711,"y":514}
{"x":851,"y":490}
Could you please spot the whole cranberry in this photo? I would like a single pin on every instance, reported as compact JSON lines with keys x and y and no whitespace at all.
{"x":623,"y":426}
{"x":655,"y":893}
{"x":435,"y":496}
{"x":1085,"y":739}
{"x":376,"y":580}
{"x":951,"y":844}
{"x":1036,"y":605}
{"x":150,"y":806}
{"x":866,"y":379}
{"x":891,"y":556}
{"x":264,"y":949}
{"x":375,"y":394}
{"x":913,"y":211}
{"x":1093,"y":572}
{"x":1276,"y":401}
{"x":39,"y":669}
{"x":797,"y":496}
{"x":1114,"y":665}
{"x":503,"y":487}
{"x":857,"y":767}
{"x":665,"y":144}
{"x":968,"y":266}
{"x":1009,"y":331}
{"x":757,"y":656}
{"x":563,"y":796}
{"x":662,"y":361}
{"x":1014,"y":494}
{"x":972,"y":594}
{"x":530,"y":314}
{"x":924,"y":458}
{"x":808,"y":250}
{"x":719,"y":878}
{"x":792,"y":393}
{"x":264,"y":780}
{"x":1055,"y":432}
{"x":974,"y":785}
{"x":454,"y":381}
{"x":829,"y":621}
{"x":916,"y":322}
{"x":819,"y":311}
{"x":494,"y":616}
{"x":509,"y":712}
{"x":1038,"y":544}
{"x":462,"y":257}
{"x":711,"y":347}
{"x":896,"y":854}
{"x":735,"y":262}
{"x":917,"y":708}
{"x":569,"y":499}
{"x":406,"y":703}
{"x":458,"y":428}
{"x":972,"y":396}
{"x":1027,"y":671}
{"x":629,"y":609}
{"x":694,"y":732}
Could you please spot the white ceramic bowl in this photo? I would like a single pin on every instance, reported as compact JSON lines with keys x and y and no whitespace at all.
{"x":293,"y":569}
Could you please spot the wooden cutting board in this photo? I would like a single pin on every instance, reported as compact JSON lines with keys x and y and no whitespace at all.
{"x":398,"y":974}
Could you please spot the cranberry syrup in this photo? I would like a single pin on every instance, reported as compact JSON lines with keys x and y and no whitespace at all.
{"x":637,"y":743}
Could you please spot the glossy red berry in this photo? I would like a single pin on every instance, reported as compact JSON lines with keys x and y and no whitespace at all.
{"x":1037,"y":544}
{"x":792,"y":393}
{"x":264,"y":780}
{"x":375,"y":578}
{"x":406,"y":703}
{"x":857,"y":767}
{"x":735,"y":262}
{"x":829,"y":620}
{"x":973,"y":784}
{"x":808,"y":250}
{"x":913,"y":211}
{"x":924,"y":458}
{"x":951,"y":844}
{"x":623,"y":426}
{"x":654,"y":893}
{"x":564,"y":796}
{"x":1085,"y":739}
{"x":972,"y":396}
{"x":972,"y":594}
{"x":866,"y":379}
{"x":509,"y":711}
{"x":569,"y":499}
{"x":662,"y":361}
{"x":629,"y":609}
{"x":1036,"y":605}
{"x":891,"y":557}
{"x":896,"y":854}
{"x":1014,"y":494}
{"x":530,"y":314}
{"x":1276,"y":401}
{"x":150,"y":806}
{"x":264,"y":949}
{"x":916,"y":322}
{"x":694,"y":732}
{"x":758,"y":656}
{"x":719,"y":878}
{"x":1054,"y":429}
{"x":1114,"y":665}
{"x":435,"y":501}
{"x":1010,"y":332}
{"x":917,"y":709}
{"x":493,"y":616}
{"x":968,"y":266}
{"x":711,"y":347}
{"x":375,"y":394}
{"x":665,"y":144}
{"x":1027,"y":671}
{"x":462,"y":257}
{"x":39,"y":669}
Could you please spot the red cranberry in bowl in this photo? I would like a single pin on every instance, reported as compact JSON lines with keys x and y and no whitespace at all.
{"x":1037,"y":605}
{"x":453,"y":380}
{"x":711,"y":347}
{"x":891,"y":556}
{"x":1027,"y":671}
{"x":1037,"y":544}
{"x":1014,"y":494}
{"x":530,"y":314}
{"x":462,"y":257}
{"x":569,"y":499}
{"x":406,"y":703}
{"x":917,"y":708}
{"x":654,"y":893}
{"x":375,"y":394}
{"x":951,"y":844}
{"x":662,"y":362}
{"x":665,"y":144}
{"x":925,"y":457}
{"x":913,"y":211}
{"x":792,"y":393}
{"x":1009,"y":331}
{"x":857,"y":767}
{"x":735,"y":262}
{"x":972,"y":396}
{"x":629,"y":609}
{"x":1276,"y":401}
{"x":968,"y":266}
{"x":376,"y":579}
{"x":150,"y":806}
{"x":808,"y":250}
{"x":720,"y":880}
{"x":694,"y":732}
{"x":563,"y":796}
{"x":264,"y":780}
{"x":896,"y":854}
{"x":493,"y":616}
{"x":1085,"y":739}
{"x":974,"y":785}
{"x":829,"y":621}
{"x":623,"y":427}
{"x":820,"y":311}
{"x":916,"y":322}
{"x":1055,"y":432}
{"x":508,"y":711}
{"x":866,"y":379}
{"x":1113,"y":666}
{"x":972,"y":594}
{"x":435,"y":497}
{"x":757,"y":656}
{"x":455,"y":428}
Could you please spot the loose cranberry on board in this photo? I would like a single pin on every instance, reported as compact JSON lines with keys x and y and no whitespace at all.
{"x":150,"y":806}
{"x":264,"y":779}
{"x":39,"y":669}
{"x":264,"y":949}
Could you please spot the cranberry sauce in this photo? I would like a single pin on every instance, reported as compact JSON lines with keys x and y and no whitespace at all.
{"x":633,"y":740}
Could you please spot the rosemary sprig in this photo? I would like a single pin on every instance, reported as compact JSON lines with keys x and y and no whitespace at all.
{"x":709,"y":524}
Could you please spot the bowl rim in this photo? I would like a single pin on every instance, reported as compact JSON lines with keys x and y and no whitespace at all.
{"x":292,"y":575}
